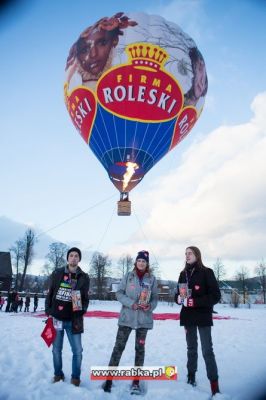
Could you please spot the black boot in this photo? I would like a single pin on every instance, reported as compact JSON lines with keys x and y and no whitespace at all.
{"x":135,"y":389}
{"x":191,"y":378}
{"x":107,"y":385}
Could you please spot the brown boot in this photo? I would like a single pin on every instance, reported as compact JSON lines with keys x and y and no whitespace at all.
{"x":75,"y":381}
{"x":58,"y":378}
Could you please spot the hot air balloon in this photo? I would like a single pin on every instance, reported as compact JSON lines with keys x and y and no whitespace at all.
{"x":135,"y":86}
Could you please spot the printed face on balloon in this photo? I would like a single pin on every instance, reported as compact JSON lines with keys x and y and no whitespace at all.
{"x":94,"y":50}
{"x":200,"y":79}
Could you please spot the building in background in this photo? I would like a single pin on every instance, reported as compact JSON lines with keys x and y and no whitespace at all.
{"x":5,"y":271}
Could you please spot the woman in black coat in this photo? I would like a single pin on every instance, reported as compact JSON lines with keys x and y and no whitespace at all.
{"x":196,"y":313}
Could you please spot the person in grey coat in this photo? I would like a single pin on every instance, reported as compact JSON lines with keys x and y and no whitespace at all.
{"x":138,"y":295}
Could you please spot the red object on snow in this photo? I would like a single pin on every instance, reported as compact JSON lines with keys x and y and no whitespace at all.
{"x":49,"y":332}
{"x":156,"y":316}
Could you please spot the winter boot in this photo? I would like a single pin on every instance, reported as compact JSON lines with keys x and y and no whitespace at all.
{"x":191,"y":378}
{"x":58,"y":378}
{"x":135,"y":389}
{"x":107,"y":385}
{"x":75,"y":381}
{"x":215,"y":387}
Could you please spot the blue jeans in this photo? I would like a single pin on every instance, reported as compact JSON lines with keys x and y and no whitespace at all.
{"x":76,"y":347}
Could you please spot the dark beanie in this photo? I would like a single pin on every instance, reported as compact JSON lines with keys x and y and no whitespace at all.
{"x":76,"y":250}
{"x":144,"y":255}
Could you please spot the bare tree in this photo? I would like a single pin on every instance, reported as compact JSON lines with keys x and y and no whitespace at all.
{"x":125,"y":264}
{"x":155,"y":269}
{"x":242,"y":276}
{"x":56,"y":257}
{"x":219,"y":270}
{"x":28,"y":242}
{"x":260,"y":270}
{"x":99,"y":269}
{"x":16,"y":253}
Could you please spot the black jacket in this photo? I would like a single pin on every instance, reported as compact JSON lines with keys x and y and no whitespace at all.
{"x":83,"y":283}
{"x":205,"y":293}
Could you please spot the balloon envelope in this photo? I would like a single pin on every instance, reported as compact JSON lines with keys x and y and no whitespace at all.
{"x":135,"y":86}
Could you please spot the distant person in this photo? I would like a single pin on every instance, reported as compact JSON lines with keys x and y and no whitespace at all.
{"x":196,"y":314}
{"x":27,"y":303}
{"x":138,"y":295}
{"x":14,"y":301}
{"x":20,"y":304}
{"x":67,"y":301}
{"x":2,"y":301}
{"x":35,"y":302}
{"x":199,"y":85}
{"x":9,"y":301}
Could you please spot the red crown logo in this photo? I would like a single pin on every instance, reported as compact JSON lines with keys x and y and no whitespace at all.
{"x":146,"y":56}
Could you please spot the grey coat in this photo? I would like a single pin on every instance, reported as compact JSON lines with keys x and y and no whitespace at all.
{"x":128,"y":293}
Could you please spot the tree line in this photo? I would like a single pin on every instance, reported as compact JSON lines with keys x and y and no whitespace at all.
{"x":23,"y":252}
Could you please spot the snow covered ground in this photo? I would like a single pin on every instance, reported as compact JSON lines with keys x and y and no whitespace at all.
{"x":239,"y":344}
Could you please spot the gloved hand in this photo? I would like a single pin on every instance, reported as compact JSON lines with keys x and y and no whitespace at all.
{"x":144,"y":307}
{"x":190,"y":302}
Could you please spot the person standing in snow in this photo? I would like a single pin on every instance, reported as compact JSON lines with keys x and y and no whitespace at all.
{"x":14,"y":301}
{"x":27,"y":303}
{"x":2,"y":301}
{"x":196,"y":314}
{"x":9,"y":301}
{"x":35,"y":302}
{"x":136,"y":313}
{"x":20,"y":303}
{"x":66,"y":301}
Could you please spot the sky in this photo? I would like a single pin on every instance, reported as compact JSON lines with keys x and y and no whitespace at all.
{"x":208,"y":192}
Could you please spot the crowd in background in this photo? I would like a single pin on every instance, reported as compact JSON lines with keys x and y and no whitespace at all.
{"x":15,"y":303}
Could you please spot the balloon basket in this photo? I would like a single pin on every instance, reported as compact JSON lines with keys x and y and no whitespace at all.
{"x":124,"y":207}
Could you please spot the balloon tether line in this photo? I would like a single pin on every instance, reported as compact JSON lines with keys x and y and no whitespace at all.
{"x":145,"y":237}
{"x":75,"y":216}
{"x":106,"y":230}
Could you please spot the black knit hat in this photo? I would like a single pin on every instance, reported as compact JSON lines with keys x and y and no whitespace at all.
{"x":76,"y":250}
{"x":144,"y":255}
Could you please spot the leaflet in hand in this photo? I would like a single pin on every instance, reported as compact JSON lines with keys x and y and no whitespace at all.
{"x":145,"y":295}
{"x":184,"y":293}
{"x":76,"y":300}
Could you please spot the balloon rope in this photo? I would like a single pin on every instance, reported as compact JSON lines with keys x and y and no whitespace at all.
{"x":75,"y":216}
{"x":106,"y":229}
{"x":145,"y":237}
{"x":162,"y":228}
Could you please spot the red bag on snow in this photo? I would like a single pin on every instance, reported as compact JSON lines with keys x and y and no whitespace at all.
{"x":49,"y":332}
